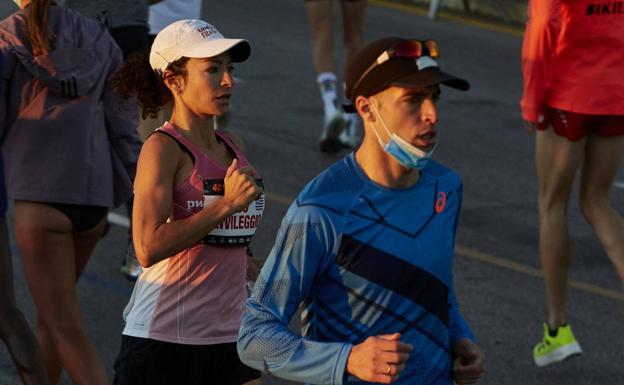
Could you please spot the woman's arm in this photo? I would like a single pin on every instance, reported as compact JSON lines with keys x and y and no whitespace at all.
{"x":156,"y":239}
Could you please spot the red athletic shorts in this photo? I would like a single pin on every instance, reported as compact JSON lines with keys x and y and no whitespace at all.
{"x":576,"y":126}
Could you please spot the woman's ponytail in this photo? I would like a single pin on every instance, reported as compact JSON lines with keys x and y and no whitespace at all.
{"x":136,"y":78}
{"x":37,"y":23}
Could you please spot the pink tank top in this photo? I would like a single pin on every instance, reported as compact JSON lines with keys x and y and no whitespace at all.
{"x":198,"y":295}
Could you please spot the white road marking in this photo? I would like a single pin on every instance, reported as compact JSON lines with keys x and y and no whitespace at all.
{"x":119,"y":220}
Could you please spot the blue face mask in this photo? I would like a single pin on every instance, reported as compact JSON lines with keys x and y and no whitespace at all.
{"x":405,"y":153}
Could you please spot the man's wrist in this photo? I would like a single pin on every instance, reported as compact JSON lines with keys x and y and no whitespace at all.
{"x":461,"y":345}
{"x":341,"y":372}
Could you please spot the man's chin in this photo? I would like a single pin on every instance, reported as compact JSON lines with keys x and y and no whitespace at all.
{"x":427,"y":147}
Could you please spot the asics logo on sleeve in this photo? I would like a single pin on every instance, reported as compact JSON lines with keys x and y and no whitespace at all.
{"x":440,"y":202}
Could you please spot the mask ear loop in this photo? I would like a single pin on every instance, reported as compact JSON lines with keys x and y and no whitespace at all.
{"x":383,"y":123}
{"x":381,"y":143}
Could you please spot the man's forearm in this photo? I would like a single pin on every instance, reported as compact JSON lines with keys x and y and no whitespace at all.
{"x":266,"y":343}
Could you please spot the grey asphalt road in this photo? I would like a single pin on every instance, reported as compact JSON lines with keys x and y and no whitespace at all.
{"x":277,"y":112}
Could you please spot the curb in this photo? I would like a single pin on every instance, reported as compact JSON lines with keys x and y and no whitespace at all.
{"x":507,"y":11}
{"x":473,"y":18}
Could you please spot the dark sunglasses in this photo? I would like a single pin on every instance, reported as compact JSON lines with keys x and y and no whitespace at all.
{"x":408,"y":49}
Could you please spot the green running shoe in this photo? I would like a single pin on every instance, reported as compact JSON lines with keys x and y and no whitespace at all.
{"x":556,"y":349}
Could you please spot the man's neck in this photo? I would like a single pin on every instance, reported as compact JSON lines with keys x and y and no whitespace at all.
{"x":382,"y":168}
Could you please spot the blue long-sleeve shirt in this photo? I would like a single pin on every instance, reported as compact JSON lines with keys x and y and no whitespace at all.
{"x":364,"y":260}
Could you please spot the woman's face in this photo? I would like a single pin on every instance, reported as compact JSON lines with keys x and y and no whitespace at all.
{"x":207,"y":88}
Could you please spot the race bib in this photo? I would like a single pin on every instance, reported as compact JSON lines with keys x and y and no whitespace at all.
{"x":239,"y":228}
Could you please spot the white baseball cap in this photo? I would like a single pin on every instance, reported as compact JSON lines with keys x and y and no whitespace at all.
{"x":193,"y":39}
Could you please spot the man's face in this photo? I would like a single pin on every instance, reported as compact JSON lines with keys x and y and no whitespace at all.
{"x":410,"y":112}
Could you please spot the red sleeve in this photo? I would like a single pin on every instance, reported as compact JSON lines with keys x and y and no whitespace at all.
{"x":538,"y":47}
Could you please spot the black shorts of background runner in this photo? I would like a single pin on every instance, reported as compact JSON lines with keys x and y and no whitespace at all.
{"x":143,"y":361}
{"x":82,"y":217}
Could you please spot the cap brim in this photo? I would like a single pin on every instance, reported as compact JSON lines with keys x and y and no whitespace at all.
{"x":431,"y":77}
{"x":239,"y":49}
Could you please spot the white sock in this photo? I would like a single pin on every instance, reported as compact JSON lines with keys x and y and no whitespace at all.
{"x":329,"y":94}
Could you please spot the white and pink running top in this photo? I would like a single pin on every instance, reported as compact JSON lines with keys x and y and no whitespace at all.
{"x":197,"y":296}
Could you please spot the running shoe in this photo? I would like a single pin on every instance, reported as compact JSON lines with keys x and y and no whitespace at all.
{"x":334,"y":126}
{"x":130,"y":266}
{"x":556,"y":349}
{"x":348,"y":138}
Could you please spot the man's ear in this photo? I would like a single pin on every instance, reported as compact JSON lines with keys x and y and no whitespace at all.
{"x":364,"y":108}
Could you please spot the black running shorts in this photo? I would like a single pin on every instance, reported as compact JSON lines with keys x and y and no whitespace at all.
{"x":143,"y":361}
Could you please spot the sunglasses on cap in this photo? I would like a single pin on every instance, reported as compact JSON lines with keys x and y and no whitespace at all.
{"x":407,"y":49}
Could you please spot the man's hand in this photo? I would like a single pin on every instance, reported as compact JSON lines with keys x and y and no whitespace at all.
{"x":379,"y":359}
{"x":468,"y":363}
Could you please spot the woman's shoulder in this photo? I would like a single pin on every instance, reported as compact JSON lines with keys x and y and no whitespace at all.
{"x":160,"y":155}
{"x":160,"y":141}
{"x":77,"y":30}
{"x":68,"y":14}
{"x":160,"y":146}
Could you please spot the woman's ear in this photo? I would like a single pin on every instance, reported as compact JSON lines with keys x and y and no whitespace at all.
{"x":364,"y":108}
{"x":175,"y":83}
